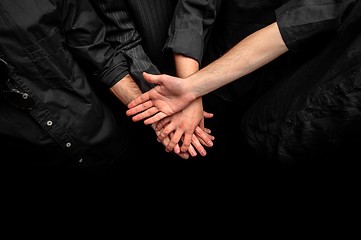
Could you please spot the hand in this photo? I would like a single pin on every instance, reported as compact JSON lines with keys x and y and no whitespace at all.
{"x":168,"y":97}
{"x":196,"y":145}
{"x":183,"y":125}
{"x":197,"y":142}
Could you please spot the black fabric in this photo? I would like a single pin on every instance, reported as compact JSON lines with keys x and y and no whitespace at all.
{"x":58,"y":56}
{"x":139,"y":29}
{"x":313,"y":114}
{"x":301,"y":109}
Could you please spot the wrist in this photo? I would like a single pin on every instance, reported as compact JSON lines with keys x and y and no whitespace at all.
{"x":192,"y":90}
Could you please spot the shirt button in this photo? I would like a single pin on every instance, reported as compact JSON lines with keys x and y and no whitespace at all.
{"x":68,"y":144}
{"x":49,"y":123}
{"x":25,"y":96}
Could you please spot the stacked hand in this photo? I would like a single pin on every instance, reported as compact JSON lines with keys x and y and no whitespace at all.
{"x":168,"y":97}
{"x":169,"y":107}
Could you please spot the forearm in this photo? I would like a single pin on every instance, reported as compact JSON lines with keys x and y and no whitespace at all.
{"x":185,"y":66}
{"x":253,"y":52}
{"x":126,"y":89}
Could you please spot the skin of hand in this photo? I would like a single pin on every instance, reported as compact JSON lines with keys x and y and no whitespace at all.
{"x":181,"y":124}
{"x":126,"y":90}
{"x":184,"y":123}
{"x":170,"y":96}
{"x":174,"y":94}
{"x":196,"y":146}
{"x":165,"y":142}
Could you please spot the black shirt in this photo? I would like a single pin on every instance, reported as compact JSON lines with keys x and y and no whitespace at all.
{"x":58,"y":56}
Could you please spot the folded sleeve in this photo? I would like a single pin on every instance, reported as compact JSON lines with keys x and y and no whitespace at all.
{"x":300,"y":21}
{"x":122,"y":35}
{"x":85,"y":35}
{"x":191,"y":23}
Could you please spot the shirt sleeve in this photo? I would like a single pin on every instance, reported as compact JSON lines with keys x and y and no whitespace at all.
{"x":190,"y":25}
{"x":301,"y":20}
{"x":123,"y":36}
{"x":85,"y":35}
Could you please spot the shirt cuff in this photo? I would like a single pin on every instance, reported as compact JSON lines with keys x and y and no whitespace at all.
{"x":114,"y":71}
{"x":284,"y":25}
{"x":188,"y":43}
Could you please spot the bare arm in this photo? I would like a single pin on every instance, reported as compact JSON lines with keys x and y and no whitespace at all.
{"x":126,"y":89}
{"x":253,"y":52}
{"x":185,"y":66}
{"x":173,"y":94}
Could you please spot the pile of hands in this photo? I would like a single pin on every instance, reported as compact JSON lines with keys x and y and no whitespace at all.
{"x":176,"y":115}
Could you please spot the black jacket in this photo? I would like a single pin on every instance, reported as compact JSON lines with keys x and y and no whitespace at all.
{"x":305,"y":105}
{"x":147,"y":32}
{"x":44,"y":42}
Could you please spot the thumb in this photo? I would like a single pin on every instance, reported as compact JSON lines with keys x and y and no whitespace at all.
{"x":207,"y":114}
{"x":151,"y":78}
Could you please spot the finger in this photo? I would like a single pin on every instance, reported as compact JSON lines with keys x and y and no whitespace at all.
{"x":192,"y":151}
{"x":162,"y":123}
{"x":139,"y":100}
{"x":187,"y":139}
{"x":139,"y":108}
{"x":184,"y":155}
{"x":207,"y":114}
{"x":207,"y":130}
{"x":176,"y":148}
{"x":166,"y":131}
{"x":198,"y":146}
{"x":146,"y":114}
{"x":204,"y":137}
{"x":174,"y":140}
{"x":157,"y":117}
{"x":155,"y":79}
